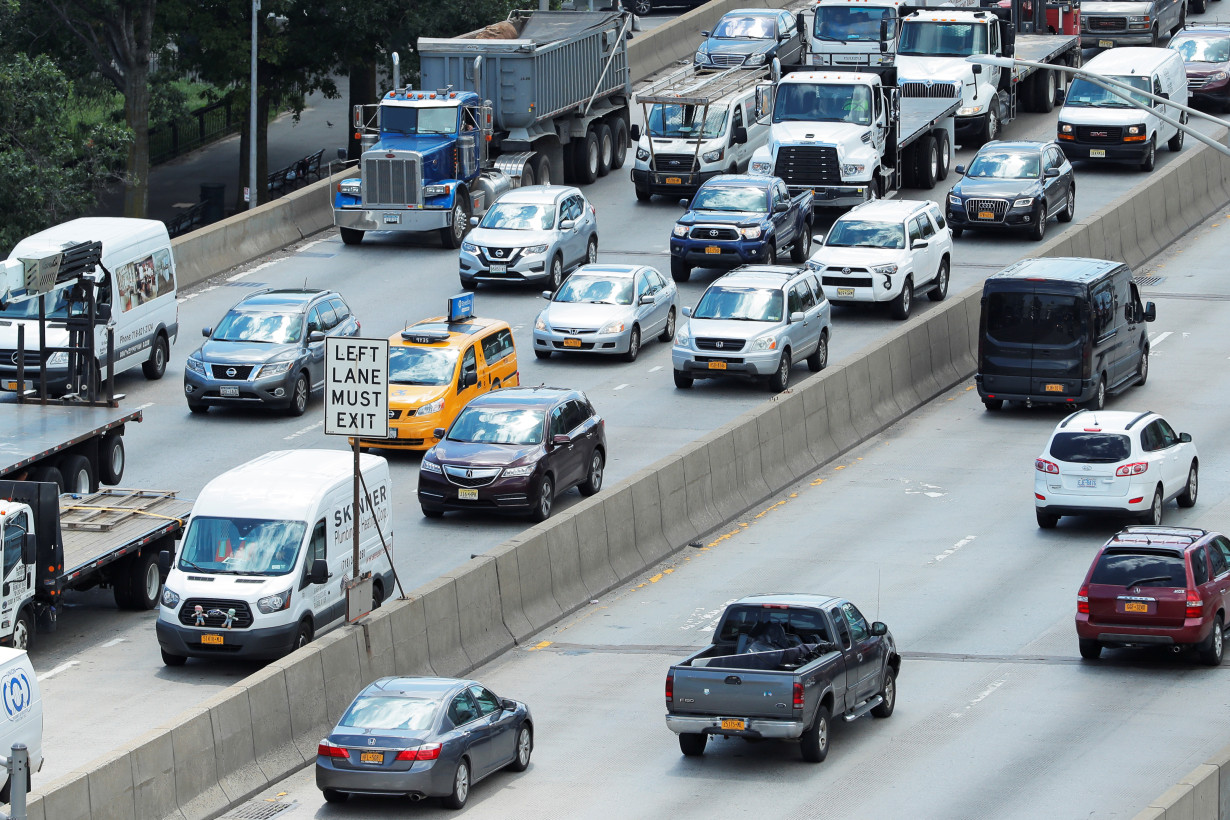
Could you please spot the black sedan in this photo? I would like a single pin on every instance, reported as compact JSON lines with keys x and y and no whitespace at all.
{"x":1013,"y":185}
{"x":423,"y":737}
{"x":751,"y":38}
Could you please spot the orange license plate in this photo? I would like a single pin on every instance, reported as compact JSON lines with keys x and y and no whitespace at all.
{"x":1054,"y":388}
{"x":986,"y":215}
{"x":572,"y":343}
{"x":717,"y":365}
{"x":713,"y":249}
{"x":1135,"y":606}
{"x":674,"y":181}
{"x":371,"y":757}
{"x":213,"y":639}
{"x":734,"y":723}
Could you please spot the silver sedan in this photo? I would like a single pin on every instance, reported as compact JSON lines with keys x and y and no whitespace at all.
{"x":423,"y":737}
{"x":607,"y":309}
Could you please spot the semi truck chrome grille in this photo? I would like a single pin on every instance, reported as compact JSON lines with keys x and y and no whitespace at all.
{"x":391,"y":182}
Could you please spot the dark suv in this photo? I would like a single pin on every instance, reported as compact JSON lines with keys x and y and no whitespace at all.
{"x":515,"y":450}
{"x":1156,"y":586}
{"x":268,"y":349}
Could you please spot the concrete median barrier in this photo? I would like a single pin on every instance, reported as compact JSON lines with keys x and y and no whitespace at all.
{"x":884,"y":404}
{"x":771,"y":442}
{"x":408,"y":622}
{"x":196,"y":769}
{"x":276,"y":753}
{"x":723,"y":482}
{"x":111,"y":788}
{"x":618,"y":511}
{"x":153,"y":775}
{"x":376,"y":646}
{"x":534,"y":572}
{"x":673,"y":495}
{"x":794,"y":435}
{"x":305,"y":684}
{"x":858,"y":388}
{"x":698,"y":489}
{"x":508,"y":576}
{"x":564,"y":548}
{"x":230,"y":715}
{"x":841,"y":427}
{"x":596,"y":571}
{"x":439,"y":597}
{"x":480,"y":620}
{"x":749,"y":471}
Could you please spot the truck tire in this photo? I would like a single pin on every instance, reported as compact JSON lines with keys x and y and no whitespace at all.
{"x":542,"y":169}
{"x":49,"y":474}
{"x":926,"y":163}
{"x":800,"y":250}
{"x":692,"y":744}
{"x":156,"y":364}
{"x":888,"y":691}
{"x":814,"y":744}
{"x":990,"y":127}
{"x":528,"y":177}
{"x":172,"y":660}
{"x":23,"y":632}
{"x":351,"y":236}
{"x":585,"y":159}
{"x":606,"y":148}
{"x":619,"y":142}
{"x":78,"y":474}
{"x":452,"y":235}
{"x":900,"y":307}
{"x":943,"y":150}
{"x":1150,"y":159}
{"x":139,"y":584}
{"x":1044,"y":87}
{"x":111,"y":459}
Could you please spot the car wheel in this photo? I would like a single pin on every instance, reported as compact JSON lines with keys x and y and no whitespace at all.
{"x":197,"y":407}
{"x":1046,"y":521}
{"x":993,"y":404}
{"x":1154,"y":516}
{"x":801,"y":249}
{"x":1046,"y":92}
{"x":299,"y":397}
{"x":780,"y":379}
{"x":452,"y":235}
{"x":172,"y":660}
{"x":557,"y":272}
{"x":682,"y":380}
{"x":937,"y":293}
{"x":525,"y":747}
{"x":1144,"y":367}
{"x":432,"y":512}
{"x":926,"y":163}
{"x":692,"y":744}
{"x":1187,"y":498}
{"x":606,"y":148}
{"x":156,"y":364}
{"x":23,"y":632}
{"x":334,"y":796}
{"x":1214,"y":646}
{"x":634,"y":344}
{"x":619,"y":143}
{"x":814,"y":744}
{"x":593,"y":478}
{"x":668,"y":332}
{"x":820,"y":359}
{"x":539,"y":353}
{"x":1150,"y":159}
{"x":543,"y":499}
{"x":680,"y":271}
{"x":1098,"y":400}
{"x":1038,"y":232}
{"x":1175,"y":143}
{"x":350,"y":236}
{"x":899,"y":308}
{"x":1069,"y":208}
{"x":461,"y":787}
{"x":956,"y":232}
{"x":770,"y":253}
{"x":1091,"y":650}
{"x":591,"y":251}
{"x":305,"y":634}
{"x":990,"y":128}
{"x":141,"y":585}
{"x":888,"y":694}
{"x":467,"y":284}
{"x":641,"y":7}
{"x":49,"y":475}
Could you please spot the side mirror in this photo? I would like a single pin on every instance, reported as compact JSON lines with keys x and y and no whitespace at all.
{"x":207,"y":332}
{"x":635,"y":132}
{"x":797,"y":316}
{"x":320,"y":572}
{"x":1051,"y":173}
{"x":546,"y":294}
{"x":508,"y":705}
{"x":1186,"y":438}
{"x":704,"y":34}
{"x":646,"y":299}
{"x":102,"y":313}
{"x":1150,"y":311}
{"x":977,"y":69}
{"x":343,"y":154}
{"x":315,"y":337}
{"x":960,"y":170}
{"x":879,"y":628}
{"x":474,"y":222}
{"x":800,"y":24}
{"x":919,"y":243}
{"x":469,"y":378}
{"x":567,"y":224}
{"x":683,"y":203}
{"x":739,"y":137}
{"x":438,"y":433}
{"x":781,"y":207}
{"x":687,"y":312}
{"x":561,"y":439}
{"x":817,"y":239}
{"x":29,"y":549}
{"x":164,"y":562}
{"x":886,"y":34}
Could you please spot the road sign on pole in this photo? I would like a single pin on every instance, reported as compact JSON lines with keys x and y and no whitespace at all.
{"x":357,"y":387}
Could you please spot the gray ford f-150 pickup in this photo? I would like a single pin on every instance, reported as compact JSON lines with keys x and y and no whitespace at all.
{"x":780,"y":667}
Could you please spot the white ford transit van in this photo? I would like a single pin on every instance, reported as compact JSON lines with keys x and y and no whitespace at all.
{"x":267,"y":554}
{"x":1096,"y":124}
{"x":136,"y":299}
{"x":21,"y":711}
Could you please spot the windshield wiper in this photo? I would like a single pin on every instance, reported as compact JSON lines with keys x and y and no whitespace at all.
{"x":183,"y":560}
{"x":828,"y":38}
{"x":1140,"y":581}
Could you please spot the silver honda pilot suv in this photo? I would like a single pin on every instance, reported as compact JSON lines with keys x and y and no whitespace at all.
{"x":756,"y":321}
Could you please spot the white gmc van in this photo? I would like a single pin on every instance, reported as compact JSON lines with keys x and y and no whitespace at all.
{"x":267,"y":554}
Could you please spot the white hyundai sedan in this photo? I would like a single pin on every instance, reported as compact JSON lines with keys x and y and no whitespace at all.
{"x":1102,"y":461}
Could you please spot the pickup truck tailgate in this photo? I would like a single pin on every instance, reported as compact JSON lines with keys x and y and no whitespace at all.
{"x":733,"y":692}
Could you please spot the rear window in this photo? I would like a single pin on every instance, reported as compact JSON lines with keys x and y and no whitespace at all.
{"x":1034,"y":318}
{"x":1143,"y":569}
{"x":1091,"y":448}
{"x":380,"y":712}
{"x":806,"y":623}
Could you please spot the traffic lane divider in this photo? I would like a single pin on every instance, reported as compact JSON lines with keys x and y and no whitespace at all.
{"x":618,"y":512}
{"x":273,"y":744}
{"x":884,"y":406}
{"x":647,"y":516}
{"x":820,"y":441}
{"x":480,"y":619}
{"x":408,"y":623}
{"x":512,"y":608}
{"x":534,"y":573}
{"x":376,"y":658}
{"x":770,"y":440}
{"x":596,"y":571}
{"x":305,"y":683}
{"x":111,"y":787}
{"x":749,"y":469}
{"x":153,"y":774}
{"x":564,"y":548}
{"x":863,"y":416}
{"x":439,"y":598}
{"x":196,"y":772}
{"x":230,"y":716}
{"x":703,"y":514}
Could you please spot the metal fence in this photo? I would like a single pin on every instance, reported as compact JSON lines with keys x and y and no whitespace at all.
{"x":197,"y":128}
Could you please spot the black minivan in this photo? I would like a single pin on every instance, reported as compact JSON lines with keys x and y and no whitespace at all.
{"x":1061,"y":331}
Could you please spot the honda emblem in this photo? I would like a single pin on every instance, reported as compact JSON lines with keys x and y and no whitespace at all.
{"x":371,"y":741}
{"x":720,"y":345}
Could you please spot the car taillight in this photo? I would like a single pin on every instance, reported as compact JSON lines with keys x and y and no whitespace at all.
{"x":428,"y":751}
{"x":327,"y":749}
{"x":798,"y":696}
{"x":1044,"y":466}
{"x":670,"y":687}
{"x":1195,"y":606}
{"x":1082,"y":601}
{"x":1132,"y":469}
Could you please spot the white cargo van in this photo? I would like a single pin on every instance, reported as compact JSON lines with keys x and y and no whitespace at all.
{"x":136,"y":298}
{"x":267,"y":554}
{"x":1098,"y":125}
{"x":21,"y":711}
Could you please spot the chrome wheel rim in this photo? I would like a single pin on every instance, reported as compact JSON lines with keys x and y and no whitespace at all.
{"x":160,"y":356}
{"x":943,"y":283}
{"x":592,"y":156}
{"x":783,"y":371}
{"x":152,"y":582}
{"x":634,"y":342}
{"x":670,"y":323}
{"x":523,"y":747}
{"x":822,"y":731}
{"x":117,"y":460}
{"x":557,"y":273}
{"x":591,"y":255}
{"x":544,"y":501}
{"x":301,"y":394}
{"x":1157,"y":508}
{"x":1217,"y":640}
{"x":824,"y":352}
{"x":1193,"y":484}
{"x":21,"y":635}
{"x":907,"y":296}
{"x":459,"y":221}
{"x":890,"y":691}
{"x":1144,"y":365}
{"x":935,"y":160}
{"x":461,"y":786}
{"x":595,"y":471}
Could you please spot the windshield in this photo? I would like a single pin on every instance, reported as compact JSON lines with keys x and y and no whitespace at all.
{"x":927,"y":39}
{"x":751,"y":28}
{"x":683,"y":121}
{"x":1005,"y":165}
{"x":270,"y":328}
{"x":241,"y":546}
{"x":847,"y":24}
{"x":498,"y":426}
{"x":731,"y":198}
{"x":1023,"y":318}
{"x":519,"y":216}
{"x":822,"y":103}
{"x":403,"y":120}
{"x":596,"y":290}
{"x":1146,"y":570}
{"x":1084,"y":94}
{"x":394,"y":713}
{"x":1091,"y":448}
{"x":745,"y":304}
{"x":57,"y":308}
{"x":421,"y":365}
{"x":1202,"y":49}
{"x":858,"y":233}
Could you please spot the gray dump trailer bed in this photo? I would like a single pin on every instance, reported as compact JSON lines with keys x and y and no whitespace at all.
{"x":922,"y":115}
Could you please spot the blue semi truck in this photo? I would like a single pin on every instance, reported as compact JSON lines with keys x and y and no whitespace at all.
{"x":542,"y":97}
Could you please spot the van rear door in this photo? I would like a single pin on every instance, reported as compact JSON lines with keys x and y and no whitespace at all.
{"x":1033,"y":338}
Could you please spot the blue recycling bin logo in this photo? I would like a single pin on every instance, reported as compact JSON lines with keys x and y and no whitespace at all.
{"x":17,"y":693}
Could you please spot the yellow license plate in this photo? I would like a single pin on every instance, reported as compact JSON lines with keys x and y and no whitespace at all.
{"x":986,"y":215}
{"x":371,"y":757}
{"x":1106,"y":43}
{"x":733,"y":723}
{"x":845,"y":291}
{"x":717,"y":365}
{"x":572,"y":343}
{"x":467,"y":495}
{"x":713,"y":249}
{"x":214,"y":639}
{"x":674,"y":181}
{"x":1054,"y":388}
{"x":1097,"y":152}
{"x":1135,"y":606}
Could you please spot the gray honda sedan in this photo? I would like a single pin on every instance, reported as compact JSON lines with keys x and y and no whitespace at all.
{"x":423,"y":737}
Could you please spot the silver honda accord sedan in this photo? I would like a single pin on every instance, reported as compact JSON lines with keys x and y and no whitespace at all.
{"x":423,"y":737}
{"x":608,"y":309}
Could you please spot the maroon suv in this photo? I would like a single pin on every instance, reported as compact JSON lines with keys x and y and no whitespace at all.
{"x":515,"y":450}
{"x":1156,"y":586}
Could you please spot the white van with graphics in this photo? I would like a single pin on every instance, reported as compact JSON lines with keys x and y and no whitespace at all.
{"x":267,"y":554}
{"x":136,"y":299}
{"x":21,"y":718}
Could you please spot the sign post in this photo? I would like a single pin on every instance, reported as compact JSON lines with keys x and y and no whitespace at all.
{"x":357,"y":405}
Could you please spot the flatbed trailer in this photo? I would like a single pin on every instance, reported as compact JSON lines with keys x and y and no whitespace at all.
{"x":36,"y":439}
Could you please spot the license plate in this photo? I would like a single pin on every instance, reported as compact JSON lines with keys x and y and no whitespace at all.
{"x":467,"y":495}
{"x":986,"y":214}
{"x":713,"y":249}
{"x":229,"y":391}
{"x":845,"y":291}
{"x":1106,"y":43}
{"x":1097,"y":152}
{"x":13,"y":386}
{"x":1086,"y":482}
{"x":1135,"y":606}
{"x":213,"y":639}
{"x":717,"y":365}
{"x":371,"y":757}
{"x":499,"y":267}
{"x":674,"y":181}
{"x":733,"y":723}
{"x":1054,"y":388}
{"x":392,"y":219}
{"x":572,"y":343}
{"x":392,"y":432}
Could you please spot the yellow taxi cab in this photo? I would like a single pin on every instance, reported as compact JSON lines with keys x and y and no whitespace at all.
{"x":437,"y":365}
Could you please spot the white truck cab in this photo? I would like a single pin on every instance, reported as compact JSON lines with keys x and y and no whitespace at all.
{"x":267,"y":555}
{"x":854,"y":33}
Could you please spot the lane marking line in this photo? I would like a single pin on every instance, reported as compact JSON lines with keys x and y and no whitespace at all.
{"x":113,"y":642}
{"x":621,"y":387}
{"x":1159,"y":338}
{"x":963,"y":542}
{"x":52,"y":673}
{"x":655,"y":369}
{"x":303,"y":431}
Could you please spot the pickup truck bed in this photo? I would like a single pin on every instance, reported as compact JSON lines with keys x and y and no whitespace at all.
{"x":920,"y":115}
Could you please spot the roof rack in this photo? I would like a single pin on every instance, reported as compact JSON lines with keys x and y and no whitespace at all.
{"x":1138,"y":418}
{"x":1197,"y":23}
{"x":690,"y":87}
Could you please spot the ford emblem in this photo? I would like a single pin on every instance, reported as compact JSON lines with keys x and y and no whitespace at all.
{"x":231,"y":372}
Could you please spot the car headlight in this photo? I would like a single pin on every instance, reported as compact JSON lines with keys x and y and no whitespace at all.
{"x":195,"y":365}
{"x":712,"y":156}
{"x":756,"y":59}
{"x":274,"y":603}
{"x":430,"y":407}
{"x":436,"y":190}
{"x":765,"y":343}
{"x":518,"y":472}
{"x":953,"y":199}
{"x":680,"y":230}
{"x":533,"y":250}
{"x":1136,"y":129}
{"x":884,"y":270}
{"x":812,"y":264}
{"x":273,"y":369}
{"x":761,"y":167}
{"x":700,"y":57}
{"x":540,"y":324}
{"x":642,"y":154}
{"x":1139,"y":18}
{"x":58,"y":359}
{"x":350,"y":187}
{"x":430,"y":467}
{"x":683,"y":338}
{"x":469,"y":247}
{"x":1023,"y":203}
{"x":750,"y":233}
{"x":969,"y":111}
{"x":1065,"y":128}
{"x":612,"y":327}
{"x":1218,"y":77}
{"x":169,"y":599}
{"x":852,"y":170}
